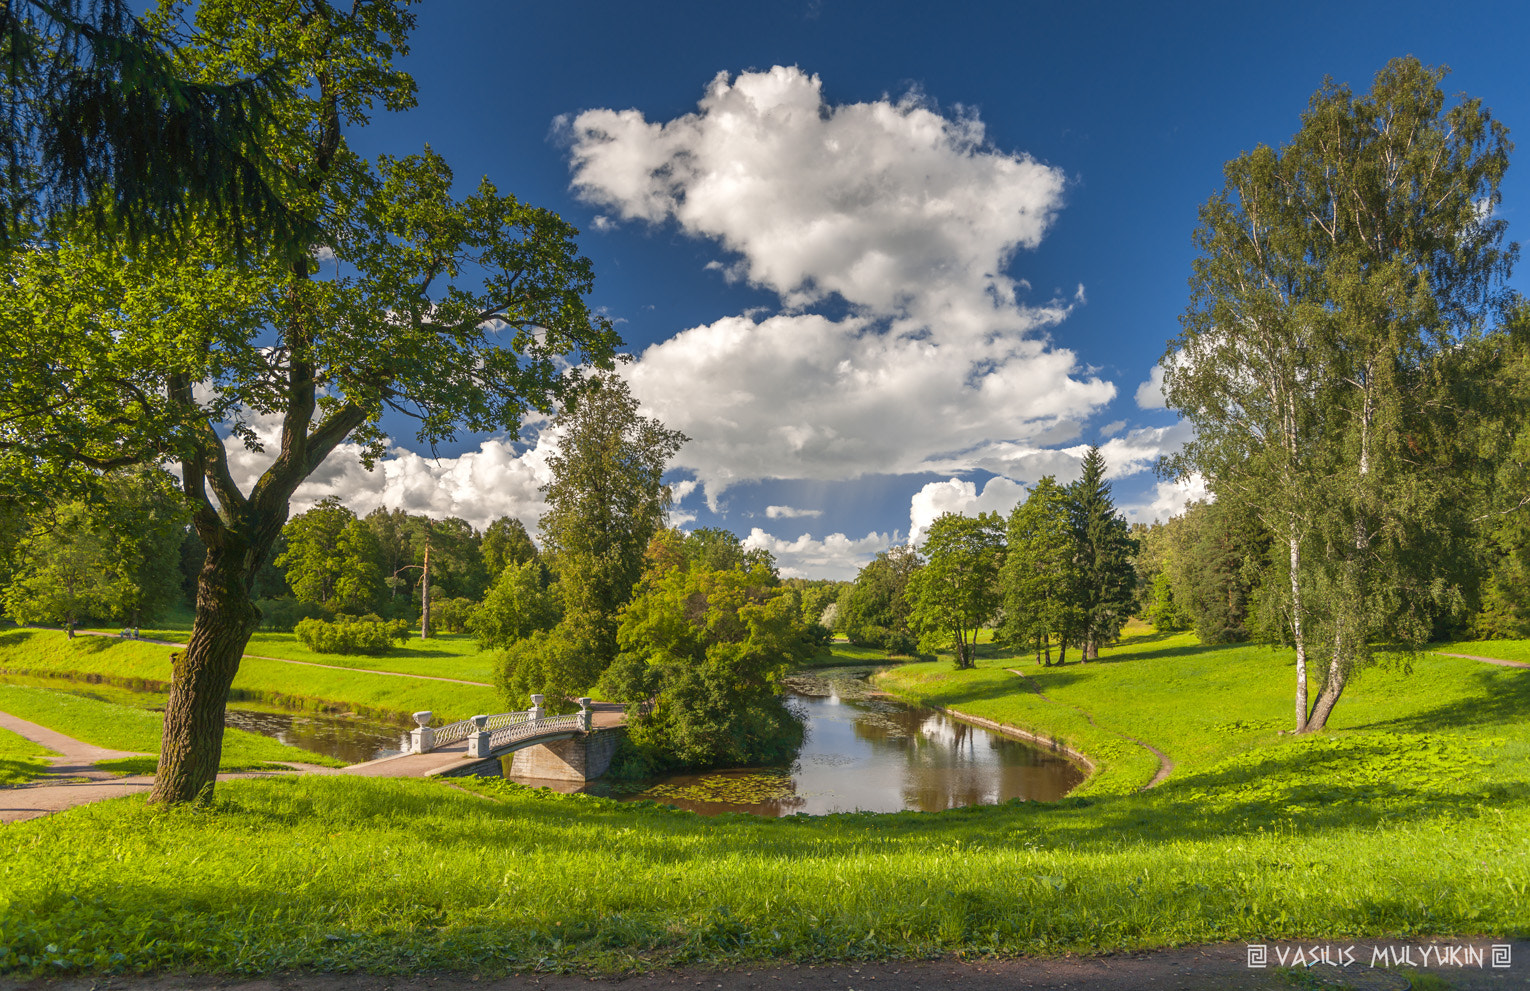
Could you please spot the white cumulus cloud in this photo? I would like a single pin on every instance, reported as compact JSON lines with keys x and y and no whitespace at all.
{"x":790,"y":513}
{"x":835,"y":556}
{"x":999,"y":495}
{"x":498,"y":479}
{"x":909,"y":217}
{"x":1150,"y":393}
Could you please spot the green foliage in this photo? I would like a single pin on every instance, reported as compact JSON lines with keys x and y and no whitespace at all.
{"x":506,"y":543}
{"x":1337,"y":281}
{"x":1104,"y":579}
{"x":373,"y":637}
{"x":710,"y":648}
{"x":1040,"y":573}
{"x":553,"y":664}
{"x":332,"y":559}
{"x":1218,"y":556}
{"x":874,"y":611}
{"x":517,"y":606}
{"x":1163,"y":609}
{"x":452,"y":615}
{"x":113,"y":556}
{"x":957,"y":591}
{"x":606,"y":500}
{"x":283,"y":615}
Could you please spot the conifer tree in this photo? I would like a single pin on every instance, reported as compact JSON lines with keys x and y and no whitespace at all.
{"x":1105,"y":578}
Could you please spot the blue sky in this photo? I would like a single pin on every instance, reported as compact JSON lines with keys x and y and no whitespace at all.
{"x":968,"y":287}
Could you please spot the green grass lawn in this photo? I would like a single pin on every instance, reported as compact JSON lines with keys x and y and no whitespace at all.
{"x":21,"y":760}
{"x":121,"y":727}
{"x":44,"y":652}
{"x":1410,"y":818}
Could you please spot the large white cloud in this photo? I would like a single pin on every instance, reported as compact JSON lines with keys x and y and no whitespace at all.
{"x":498,"y":479}
{"x":908,"y":216}
{"x":999,"y":495}
{"x":835,"y":556}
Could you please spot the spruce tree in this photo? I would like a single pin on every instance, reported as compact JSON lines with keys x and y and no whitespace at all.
{"x":1105,"y":592}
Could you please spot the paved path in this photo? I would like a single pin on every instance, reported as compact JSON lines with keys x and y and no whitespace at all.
{"x":284,"y":660}
{"x":73,"y":779}
{"x":1165,"y":762}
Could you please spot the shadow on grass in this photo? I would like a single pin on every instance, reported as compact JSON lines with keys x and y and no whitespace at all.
{"x":1500,"y":699}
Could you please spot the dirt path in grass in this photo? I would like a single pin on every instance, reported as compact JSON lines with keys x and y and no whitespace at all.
{"x":1217,"y":967}
{"x":1165,"y":762}
{"x":284,"y":660}
{"x":74,"y":779}
{"x":1485,"y":660}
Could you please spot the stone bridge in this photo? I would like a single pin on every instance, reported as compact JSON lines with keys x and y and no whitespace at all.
{"x":575,"y":747}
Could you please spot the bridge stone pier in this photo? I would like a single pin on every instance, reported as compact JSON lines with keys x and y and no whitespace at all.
{"x":580,"y":758}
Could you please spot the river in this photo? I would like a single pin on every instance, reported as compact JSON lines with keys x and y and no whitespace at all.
{"x":868,"y":752}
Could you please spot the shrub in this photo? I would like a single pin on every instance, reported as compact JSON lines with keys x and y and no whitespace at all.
{"x":348,"y":637}
{"x":283,"y":615}
{"x":452,"y":615}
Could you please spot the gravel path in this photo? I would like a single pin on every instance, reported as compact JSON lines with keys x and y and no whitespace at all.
{"x":1485,"y":660}
{"x":1216,"y":967}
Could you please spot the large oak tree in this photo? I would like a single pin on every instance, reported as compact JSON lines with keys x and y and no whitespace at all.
{"x":456,"y":311}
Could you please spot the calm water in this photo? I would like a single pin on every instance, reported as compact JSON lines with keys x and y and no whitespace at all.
{"x":870,"y":753}
{"x":342,"y":737}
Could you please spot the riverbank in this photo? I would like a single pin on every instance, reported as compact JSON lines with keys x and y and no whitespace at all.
{"x":1411,"y":819}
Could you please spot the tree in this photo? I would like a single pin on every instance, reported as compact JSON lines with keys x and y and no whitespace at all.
{"x":61,"y":575}
{"x":1105,"y":589}
{"x":115,"y":558}
{"x":96,"y":115}
{"x":462,"y":313}
{"x":333,"y":559}
{"x":1336,"y":277}
{"x":1038,"y":578}
{"x":710,"y":647}
{"x":957,"y":590}
{"x":875,"y":611}
{"x":1217,"y":560}
{"x":506,"y":543}
{"x":517,"y":606}
{"x":606,"y":500}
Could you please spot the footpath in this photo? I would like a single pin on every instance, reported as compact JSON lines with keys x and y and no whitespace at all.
{"x":74,"y":779}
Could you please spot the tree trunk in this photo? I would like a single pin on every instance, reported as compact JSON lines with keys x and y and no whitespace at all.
{"x":425,"y":592}
{"x":1062,"y":651}
{"x":202,"y":675}
{"x":1329,"y":696}
{"x":1296,"y":633}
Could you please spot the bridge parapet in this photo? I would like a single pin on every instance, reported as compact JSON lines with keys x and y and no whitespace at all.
{"x":485,"y":733}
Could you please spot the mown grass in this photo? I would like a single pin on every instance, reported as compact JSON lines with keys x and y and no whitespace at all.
{"x":1503,"y":650}
{"x":145,"y":665}
{"x":445,"y":655}
{"x":1410,"y":819}
{"x":120,"y":727}
{"x":21,"y":760}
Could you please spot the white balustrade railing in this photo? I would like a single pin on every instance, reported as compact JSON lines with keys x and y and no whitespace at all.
{"x":519,"y":731}
{"x":485,"y":733}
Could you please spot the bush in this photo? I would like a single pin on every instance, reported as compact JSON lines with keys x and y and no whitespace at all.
{"x":348,"y":637}
{"x":283,"y":615}
{"x":452,"y":615}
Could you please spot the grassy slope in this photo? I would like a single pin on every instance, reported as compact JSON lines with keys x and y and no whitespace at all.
{"x":1412,"y":818}
{"x":46,"y":652}
{"x":20,"y":759}
{"x":446,"y":655}
{"x":120,"y":727}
